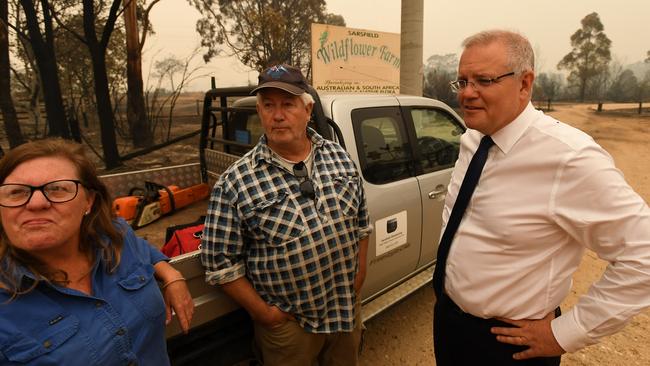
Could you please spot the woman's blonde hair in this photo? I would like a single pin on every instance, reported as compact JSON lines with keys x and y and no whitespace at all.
{"x":97,"y":231}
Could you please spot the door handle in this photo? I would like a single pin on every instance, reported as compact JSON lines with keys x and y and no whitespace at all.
{"x":438,"y":193}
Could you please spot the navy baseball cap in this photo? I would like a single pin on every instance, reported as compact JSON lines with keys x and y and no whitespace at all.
{"x":285,"y":77}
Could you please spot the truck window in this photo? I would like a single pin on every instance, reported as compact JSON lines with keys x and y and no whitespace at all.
{"x":245,"y":128}
{"x":438,"y":138}
{"x":382,"y":144}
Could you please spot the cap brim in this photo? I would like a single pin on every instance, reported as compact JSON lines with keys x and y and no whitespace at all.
{"x":289,"y":88}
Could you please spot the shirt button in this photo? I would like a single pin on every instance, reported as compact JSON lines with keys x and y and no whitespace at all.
{"x":120,"y":331}
{"x":47,"y":344}
{"x":142,"y":279}
{"x":98,"y":304}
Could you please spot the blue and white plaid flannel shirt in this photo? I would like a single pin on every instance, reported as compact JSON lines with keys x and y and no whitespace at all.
{"x":299,"y":254}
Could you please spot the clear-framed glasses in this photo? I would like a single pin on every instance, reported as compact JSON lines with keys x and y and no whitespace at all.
{"x":306,"y":185}
{"x":58,"y":191}
{"x":458,"y":86}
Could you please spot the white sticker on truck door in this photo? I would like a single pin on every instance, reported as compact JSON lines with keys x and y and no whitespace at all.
{"x":390,"y":233}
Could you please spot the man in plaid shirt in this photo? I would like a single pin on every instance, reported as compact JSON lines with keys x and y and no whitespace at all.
{"x":287,"y":231}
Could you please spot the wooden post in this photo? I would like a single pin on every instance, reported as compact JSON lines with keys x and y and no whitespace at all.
{"x":411,"y":64}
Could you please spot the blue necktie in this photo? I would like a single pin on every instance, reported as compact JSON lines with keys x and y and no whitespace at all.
{"x":464,"y":194}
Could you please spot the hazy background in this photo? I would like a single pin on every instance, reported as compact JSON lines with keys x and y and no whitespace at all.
{"x":548,"y":24}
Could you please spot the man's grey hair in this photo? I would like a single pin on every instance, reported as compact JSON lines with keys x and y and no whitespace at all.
{"x":521,"y":57}
{"x":306,"y":98}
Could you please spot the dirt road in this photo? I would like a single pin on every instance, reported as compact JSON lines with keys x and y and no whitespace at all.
{"x":403,"y":335}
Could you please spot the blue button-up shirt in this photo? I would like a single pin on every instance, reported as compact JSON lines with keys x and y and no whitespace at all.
{"x":121,"y":323}
{"x":300,"y":254}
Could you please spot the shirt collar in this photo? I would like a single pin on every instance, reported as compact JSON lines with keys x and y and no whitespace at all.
{"x":508,"y":136}
{"x":19,"y":272}
{"x":262,"y":151}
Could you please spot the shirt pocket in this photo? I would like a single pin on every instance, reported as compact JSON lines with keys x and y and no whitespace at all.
{"x":279,"y":219}
{"x":346,"y":189}
{"x":43,"y":345}
{"x":143,"y":291}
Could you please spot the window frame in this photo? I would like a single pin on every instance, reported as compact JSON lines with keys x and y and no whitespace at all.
{"x":410,"y":126}
{"x":358,"y":116}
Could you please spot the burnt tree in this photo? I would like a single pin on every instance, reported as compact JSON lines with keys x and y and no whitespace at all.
{"x":12,"y":128}
{"x":136,"y":111}
{"x":97,"y":48}
{"x":43,"y":48}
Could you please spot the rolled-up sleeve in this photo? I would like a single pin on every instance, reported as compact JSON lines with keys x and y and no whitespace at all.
{"x":222,"y":246}
{"x":365,"y":227}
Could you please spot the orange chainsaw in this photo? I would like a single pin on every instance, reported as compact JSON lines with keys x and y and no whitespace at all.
{"x":156,"y":201}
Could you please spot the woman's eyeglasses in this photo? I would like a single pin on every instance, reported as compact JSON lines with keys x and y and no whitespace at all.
{"x":58,"y":191}
{"x":306,"y":185}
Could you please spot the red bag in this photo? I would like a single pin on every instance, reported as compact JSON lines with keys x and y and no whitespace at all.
{"x":183,"y":241}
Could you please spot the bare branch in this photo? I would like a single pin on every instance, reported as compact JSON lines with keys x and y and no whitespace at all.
{"x":145,"y":23}
{"x":63,"y":25}
{"x":114,"y":13}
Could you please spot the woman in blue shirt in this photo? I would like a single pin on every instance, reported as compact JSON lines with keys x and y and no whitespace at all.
{"x":77,"y":287}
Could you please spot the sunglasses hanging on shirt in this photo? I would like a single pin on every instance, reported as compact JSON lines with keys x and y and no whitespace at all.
{"x":306,"y":185}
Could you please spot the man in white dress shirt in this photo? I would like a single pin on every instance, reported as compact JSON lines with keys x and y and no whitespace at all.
{"x":547,"y":192}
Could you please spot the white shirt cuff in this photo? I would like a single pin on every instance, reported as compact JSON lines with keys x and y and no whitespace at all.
{"x":569,"y":334}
